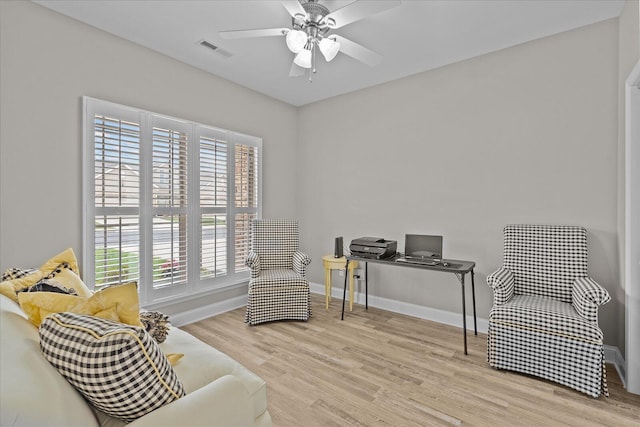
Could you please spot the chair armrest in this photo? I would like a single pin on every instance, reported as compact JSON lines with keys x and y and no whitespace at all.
{"x":300,"y":262}
{"x":223,"y":402}
{"x":253,"y":262}
{"x":586,"y":296}
{"x":502,"y":282}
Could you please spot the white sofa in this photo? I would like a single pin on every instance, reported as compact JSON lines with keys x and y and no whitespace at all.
{"x":220,"y":391}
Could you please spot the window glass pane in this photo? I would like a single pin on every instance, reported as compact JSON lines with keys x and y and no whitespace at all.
{"x":246,"y":176}
{"x":169,"y":250}
{"x":117,"y":253}
{"x":169,"y":167}
{"x":213,"y":173}
{"x":213,"y":253}
{"x":117,"y":162}
{"x":243,"y":239}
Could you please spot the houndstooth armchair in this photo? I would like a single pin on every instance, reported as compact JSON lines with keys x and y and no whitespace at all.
{"x":278,"y":288}
{"x":544,"y":320}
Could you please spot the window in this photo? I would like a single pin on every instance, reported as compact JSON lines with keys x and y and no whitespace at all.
{"x":170,"y":204}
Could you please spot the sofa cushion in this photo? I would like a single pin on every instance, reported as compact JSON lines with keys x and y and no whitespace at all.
{"x":546,"y":315}
{"x":212,"y":364}
{"x":118,"y":368}
{"x":118,"y":303}
{"x":32,"y":393}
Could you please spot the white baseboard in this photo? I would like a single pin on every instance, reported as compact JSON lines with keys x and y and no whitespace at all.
{"x":209,"y":310}
{"x":612,"y":354}
{"x":419,"y":311}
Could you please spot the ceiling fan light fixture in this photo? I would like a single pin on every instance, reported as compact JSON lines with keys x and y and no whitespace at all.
{"x":329,"y":48}
{"x":303,"y":58}
{"x":296,"y":40}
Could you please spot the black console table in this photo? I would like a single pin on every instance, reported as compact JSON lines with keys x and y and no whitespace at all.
{"x":457,"y":267}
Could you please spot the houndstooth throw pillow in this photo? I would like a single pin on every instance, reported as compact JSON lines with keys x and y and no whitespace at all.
{"x":118,"y":368}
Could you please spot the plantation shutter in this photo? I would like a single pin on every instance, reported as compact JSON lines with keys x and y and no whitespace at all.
{"x":246,"y":199}
{"x":170,"y":165}
{"x":168,"y":203}
{"x":214,"y":183}
{"x":116,"y":193}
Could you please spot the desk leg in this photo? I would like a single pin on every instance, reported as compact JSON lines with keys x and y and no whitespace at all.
{"x":473,"y":293}
{"x":460,"y":277}
{"x":344,"y":290}
{"x":366,"y":286}
{"x":464,"y":315}
{"x":350,"y":273}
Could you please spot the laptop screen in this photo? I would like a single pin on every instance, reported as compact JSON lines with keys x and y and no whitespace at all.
{"x":423,"y":246}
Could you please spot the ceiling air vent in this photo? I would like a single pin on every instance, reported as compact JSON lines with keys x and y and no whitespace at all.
{"x":215,"y":48}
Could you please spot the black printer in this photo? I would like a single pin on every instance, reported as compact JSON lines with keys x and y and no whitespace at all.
{"x":373,"y":247}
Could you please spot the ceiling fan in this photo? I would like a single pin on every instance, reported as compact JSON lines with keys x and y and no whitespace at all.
{"x":311,"y":26}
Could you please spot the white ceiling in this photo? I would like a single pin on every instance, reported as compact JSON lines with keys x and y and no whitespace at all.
{"x":413,"y":37}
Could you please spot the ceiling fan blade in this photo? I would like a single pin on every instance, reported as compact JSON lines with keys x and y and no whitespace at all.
{"x":358,"y":10}
{"x":296,"y":71}
{"x":294,"y":7}
{"x":243,"y":34}
{"x":357,"y":51}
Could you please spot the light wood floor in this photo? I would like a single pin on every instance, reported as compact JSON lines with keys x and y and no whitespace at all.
{"x":378,"y":368}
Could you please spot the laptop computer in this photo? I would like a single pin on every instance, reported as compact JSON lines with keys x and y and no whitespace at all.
{"x":422,"y":249}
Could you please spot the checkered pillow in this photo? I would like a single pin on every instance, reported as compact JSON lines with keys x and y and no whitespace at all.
{"x":117,"y":367}
{"x":16,"y":273}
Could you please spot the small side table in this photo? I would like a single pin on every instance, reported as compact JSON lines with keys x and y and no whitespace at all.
{"x":331,"y":263}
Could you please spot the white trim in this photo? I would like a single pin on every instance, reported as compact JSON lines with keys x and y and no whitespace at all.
{"x":209,"y":310}
{"x":632,"y":230}
{"x":419,"y":311}
{"x":613,"y":355}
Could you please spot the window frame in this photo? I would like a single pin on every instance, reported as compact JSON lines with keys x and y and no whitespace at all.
{"x":195,"y":284}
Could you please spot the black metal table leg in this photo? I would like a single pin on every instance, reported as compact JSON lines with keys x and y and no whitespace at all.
{"x":366,"y":286}
{"x":464,"y":315}
{"x":344,"y":291}
{"x":473,"y":293}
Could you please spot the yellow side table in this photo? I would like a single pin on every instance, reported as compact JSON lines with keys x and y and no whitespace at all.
{"x":331,"y":263}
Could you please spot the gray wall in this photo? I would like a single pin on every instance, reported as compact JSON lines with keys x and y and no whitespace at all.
{"x":527,"y":134}
{"x":48,"y":63}
{"x":523,"y":135}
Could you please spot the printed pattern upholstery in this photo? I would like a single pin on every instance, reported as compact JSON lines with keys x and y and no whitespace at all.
{"x":545,"y":260}
{"x":117,"y":367}
{"x":278,"y":289}
{"x":544,"y":318}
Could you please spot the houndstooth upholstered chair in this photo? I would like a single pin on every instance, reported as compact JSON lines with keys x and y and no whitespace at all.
{"x":544,"y":320}
{"x":278,"y":288}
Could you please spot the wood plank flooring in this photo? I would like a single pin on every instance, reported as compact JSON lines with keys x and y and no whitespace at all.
{"x":378,"y":368}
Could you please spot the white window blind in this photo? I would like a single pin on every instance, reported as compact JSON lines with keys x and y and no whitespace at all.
{"x":116,"y":178}
{"x":213,"y":204}
{"x":171,"y":201}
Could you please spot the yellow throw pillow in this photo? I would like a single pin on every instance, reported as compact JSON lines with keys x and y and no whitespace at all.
{"x":10,"y":287}
{"x":69,"y":279}
{"x":118,"y":303}
{"x":174,"y":357}
{"x":67,"y":256}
